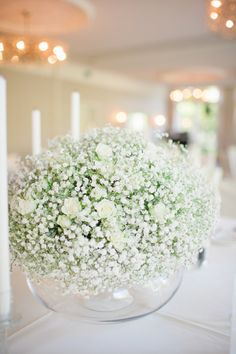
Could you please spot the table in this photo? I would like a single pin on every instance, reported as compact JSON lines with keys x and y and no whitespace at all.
{"x":196,"y":321}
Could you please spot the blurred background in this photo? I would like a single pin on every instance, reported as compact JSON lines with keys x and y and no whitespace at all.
{"x":151,"y":65}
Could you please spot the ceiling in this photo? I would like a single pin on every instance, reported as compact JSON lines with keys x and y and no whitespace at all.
{"x":40,"y":17}
{"x":158,"y":41}
{"x":155,"y":40}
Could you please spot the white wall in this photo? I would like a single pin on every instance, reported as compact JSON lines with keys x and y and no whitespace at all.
{"x":50,"y":92}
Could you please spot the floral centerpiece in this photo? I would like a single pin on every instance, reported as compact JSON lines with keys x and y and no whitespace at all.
{"x":107,"y":211}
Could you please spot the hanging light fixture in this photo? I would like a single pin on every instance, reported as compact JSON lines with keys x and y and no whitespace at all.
{"x":222,"y":16}
{"x":27,"y":48}
{"x":209,"y":94}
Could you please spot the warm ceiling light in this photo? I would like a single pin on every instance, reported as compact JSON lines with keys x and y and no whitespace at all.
{"x":15,"y":59}
{"x":176,"y":95}
{"x":121,"y":117}
{"x":58,"y":49}
{"x":221,"y":17}
{"x":20,"y":45}
{"x":43,"y":46}
{"x":159,"y":120}
{"x":59,"y":52}
{"x":187,"y":93}
{"x":52,"y":59}
{"x":30,"y":47}
{"x":214,"y":15}
{"x":216,"y":3}
{"x":61,"y":56}
{"x":197,"y":93}
{"x":229,"y":24}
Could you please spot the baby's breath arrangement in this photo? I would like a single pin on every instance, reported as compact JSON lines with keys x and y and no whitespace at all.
{"x":110,"y":210}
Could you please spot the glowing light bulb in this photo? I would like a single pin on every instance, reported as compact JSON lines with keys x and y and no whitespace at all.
{"x":61,"y":56}
{"x":43,"y":46}
{"x":214,"y":15}
{"x":1,"y":47}
{"x":121,"y":117}
{"x":216,"y":3}
{"x":197,"y":93}
{"x":187,"y":93}
{"x":52,"y":59}
{"x":176,"y":95}
{"x":20,"y":45}
{"x":57,"y":50}
{"x":229,"y":24}
{"x":160,"y":120}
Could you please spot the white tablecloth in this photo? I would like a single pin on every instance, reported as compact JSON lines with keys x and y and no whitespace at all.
{"x":196,"y":321}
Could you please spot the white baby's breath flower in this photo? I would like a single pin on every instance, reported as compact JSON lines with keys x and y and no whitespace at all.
{"x":44,"y":184}
{"x":98,"y":192}
{"x":26,"y":206}
{"x":105,"y":208}
{"x":103,"y":151}
{"x":151,"y":151}
{"x":71,"y":207}
{"x":63,"y":221}
{"x":14,"y":203}
{"x":97,"y":224}
{"x":160,"y":212}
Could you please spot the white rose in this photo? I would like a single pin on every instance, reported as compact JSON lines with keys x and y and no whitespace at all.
{"x":26,"y":206}
{"x":71,"y":207}
{"x":160,"y":212}
{"x":63,"y":221}
{"x":103,"y":151}
{"x":118,"y":241}
{"x":105,"y":208}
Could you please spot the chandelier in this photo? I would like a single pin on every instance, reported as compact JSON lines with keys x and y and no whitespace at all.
{"x":28,"y":48}
{"x":222,"y":16}
{"x":209,"y":94}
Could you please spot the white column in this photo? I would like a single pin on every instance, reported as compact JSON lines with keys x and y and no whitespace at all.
{"x":36,"y":132}
{"x":75,"y":115}
{"x":226,"y":126}
{"x":4,"y":240}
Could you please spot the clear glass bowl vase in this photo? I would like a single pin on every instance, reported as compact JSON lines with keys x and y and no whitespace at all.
{"x":122,"y":304}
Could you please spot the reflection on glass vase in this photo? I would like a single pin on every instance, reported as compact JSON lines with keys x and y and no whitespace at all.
{"x":122,"y":304}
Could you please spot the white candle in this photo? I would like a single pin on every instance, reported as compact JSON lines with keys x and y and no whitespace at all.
{"x":36,"y":132}
{"x":4,"y":241}
{"x":75,"y":115}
